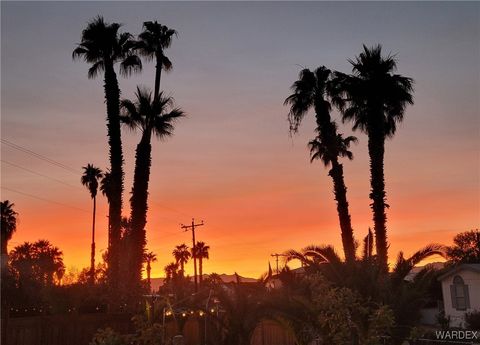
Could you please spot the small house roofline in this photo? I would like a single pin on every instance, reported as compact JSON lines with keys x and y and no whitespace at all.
{"x":458,"y":268}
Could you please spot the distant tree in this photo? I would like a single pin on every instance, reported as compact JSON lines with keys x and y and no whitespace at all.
{"x":466,"y":248}
{"x":310,"y":92}
{"x":201,"y":252}
{"x":374,"y":99}
{"x":38,"y":264}
{"x":103,"y":46}
{"x":170,"y":271}
{"x":151,"y":44}
{"x":149,"y":257}
{"x":368,"y":245}
{"x":89,"y":179}
{"x":181,"y":255}
{"x":151,"y":117}
{"x":8,"y":227}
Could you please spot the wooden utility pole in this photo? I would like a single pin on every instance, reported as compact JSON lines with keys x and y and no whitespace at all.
{"x":194,"y":244}
{"x":276,"y":259}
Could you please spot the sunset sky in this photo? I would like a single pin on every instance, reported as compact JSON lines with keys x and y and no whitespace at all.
{"x":232,"y":162}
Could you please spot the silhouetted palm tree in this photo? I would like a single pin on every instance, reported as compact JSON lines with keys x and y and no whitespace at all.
{"x":374,"y":99}
{"x":170,"y":271}
{"x":103,"y":46}
{"x":151,"y":43}
{"x":151,"y":117}
{"x":89,"y":179}
{"x":310,"y":91}
{"x":8,"y":226}
{"x":201,"y":252}
{"x":181,"y":255}
{"x":149,"y":257}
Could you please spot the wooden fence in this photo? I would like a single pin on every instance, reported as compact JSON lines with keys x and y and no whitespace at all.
{"x":79,"y":330}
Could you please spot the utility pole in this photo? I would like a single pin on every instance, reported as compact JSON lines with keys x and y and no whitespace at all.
{"x":276,"y":258}
{"x":192,"y":228}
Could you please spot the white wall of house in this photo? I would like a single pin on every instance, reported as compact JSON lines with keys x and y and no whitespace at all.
{"x":472,"y":280}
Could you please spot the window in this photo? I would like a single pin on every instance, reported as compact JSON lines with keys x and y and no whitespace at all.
{"x":459,"y":292}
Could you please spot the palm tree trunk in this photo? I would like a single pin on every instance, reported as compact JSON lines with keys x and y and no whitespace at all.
{"x":376,"y":150}
{"x":139,"y":208}
{"x":328,"y":135}
{"x":200,"y":268}
{"x":92,"y":255}
{"x":158,"y":74}
{"x":112,"y":95}
{"x":340,"y":191}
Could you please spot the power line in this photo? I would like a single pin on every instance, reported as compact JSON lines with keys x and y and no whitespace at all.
{"x":37,"y":173}
{"x":43,"y":199}
{"x":39,"y":156}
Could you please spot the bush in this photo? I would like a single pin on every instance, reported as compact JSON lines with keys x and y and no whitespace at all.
{"x":473,"y":319}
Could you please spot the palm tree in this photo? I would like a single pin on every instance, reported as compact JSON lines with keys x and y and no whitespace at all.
{"x":170,"y":271}
{"x":90,"y":177}
{"x":103,"y":46}
{"x":151,"y":43}
{"x":149,"y":257}
{"x":201,"y":252}
{"x":181,"y":255}
{"x":310,"y":91}
{"x":374,"y":99}
{"x":8,"y":226}
{"x":151,"y":117}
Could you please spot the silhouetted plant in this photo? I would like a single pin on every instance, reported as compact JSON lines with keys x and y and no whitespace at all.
{"x":181,"y":255}
{"x":148,"y":258}
{"x":466,"y":248}
{"x":374,"y":99}
{"x":103,"y":46}
{"x":151,"y":44}
{"x":404,"y":296}
{"x":37,"y":264}
{"x":152,"y":117}
{"x":90,"y":178}
{"x":200,"y":252}
{"x":310,"y":91}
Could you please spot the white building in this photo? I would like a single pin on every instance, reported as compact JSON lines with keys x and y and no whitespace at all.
{"x":461,"y":292}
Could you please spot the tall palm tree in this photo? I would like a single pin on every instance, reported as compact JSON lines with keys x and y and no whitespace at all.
{"x":181,"y":255}
{"x":310,"y":91}
{"x":374,"y":99}
{"x":8,"y":225}
{"x":103,"y":46}
{"x":152,"y":117}
{"x":201,"y":252}
{"x":151,"y":43}
{"x":149,"y":257}
{"x":90,"y":177}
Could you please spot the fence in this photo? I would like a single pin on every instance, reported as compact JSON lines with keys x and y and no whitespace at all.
{"x":79,"y":330}
{"x":62,"y":329}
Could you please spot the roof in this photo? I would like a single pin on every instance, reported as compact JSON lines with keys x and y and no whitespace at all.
{"x":461,"y":267}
